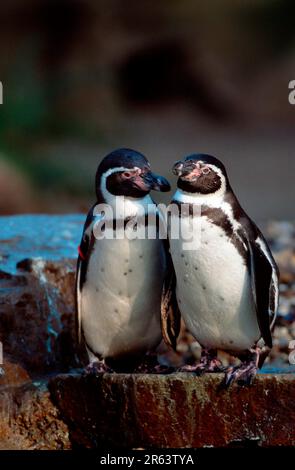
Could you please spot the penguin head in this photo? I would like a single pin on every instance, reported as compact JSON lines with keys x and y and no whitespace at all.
{"x":125,"y":172}
{"x":202,"y":174}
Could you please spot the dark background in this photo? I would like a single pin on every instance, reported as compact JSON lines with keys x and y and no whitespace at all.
{"x":167,"y":78}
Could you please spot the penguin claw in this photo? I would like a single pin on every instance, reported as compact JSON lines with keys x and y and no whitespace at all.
{"x":209,"y":363}
{"x":243,"y":374}
{"x":201,"y":369}
{"x":196,"y":369}
{"x":228,"y":378}
{"x":96,"y":368}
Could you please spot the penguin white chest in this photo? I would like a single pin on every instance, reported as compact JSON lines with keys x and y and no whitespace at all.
{"x":121,"y":298}
{"x":213,"y":289}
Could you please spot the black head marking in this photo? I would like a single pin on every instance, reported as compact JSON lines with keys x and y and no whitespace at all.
{"x":118,"y":186}
{"x":127,"y":173}
{"x":196,"y":174}
{"x":208,"y":159}
{"x":206,"y":184}
{"x":125,"y":158}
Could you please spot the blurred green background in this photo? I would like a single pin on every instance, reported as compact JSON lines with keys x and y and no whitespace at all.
{"x":82,"y":77}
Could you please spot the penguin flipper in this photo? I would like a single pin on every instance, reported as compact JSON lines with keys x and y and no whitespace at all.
{"x":84,"y":250}
{"x":78,"y":301}
{"x":264,"y":284}
{"x":170,"y":314}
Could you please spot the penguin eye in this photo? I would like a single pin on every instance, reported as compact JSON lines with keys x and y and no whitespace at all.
{"x":127,"y":174}
{"x":206,"y":170}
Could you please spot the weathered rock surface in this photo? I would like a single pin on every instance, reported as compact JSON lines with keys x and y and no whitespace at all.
{"x":37,"y":280}
{"x":177,"y":410}
{"x":30,"y":421}
{"x":37,"y":270}
{"x":37,"y":315}
{"x":13,"y":375}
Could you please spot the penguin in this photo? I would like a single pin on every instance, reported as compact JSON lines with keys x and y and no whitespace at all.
{"x":120,"y":282}
{"x":227,"y":280}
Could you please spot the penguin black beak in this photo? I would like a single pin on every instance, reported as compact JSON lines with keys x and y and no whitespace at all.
{"x":183,"y":169}
{"x":177,"y":168}
{"x":156,"y":182}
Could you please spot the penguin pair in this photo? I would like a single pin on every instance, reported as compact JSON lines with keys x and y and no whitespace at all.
{"x":131,"y":292}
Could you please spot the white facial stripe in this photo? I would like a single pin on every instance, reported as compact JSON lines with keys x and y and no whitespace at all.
{"x":222,"y":188}
{"x":125,"y":205}
{"x":109,"y":197}
{"x":198,"y":198}
{"x":111,"y":171}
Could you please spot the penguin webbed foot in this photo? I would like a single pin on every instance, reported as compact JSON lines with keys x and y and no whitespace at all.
{"x":244,"y":373}
{"x":97,"y":368}
{"x":209,"y":363}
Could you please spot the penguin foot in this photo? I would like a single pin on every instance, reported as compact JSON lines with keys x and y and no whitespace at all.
{"x":209,"y":363}
{"x":200,"y":369}
{"x":243,"y":374}
{"x":97,"y":368}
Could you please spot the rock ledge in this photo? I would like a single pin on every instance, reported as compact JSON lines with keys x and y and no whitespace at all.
{"x":177,"y":410}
